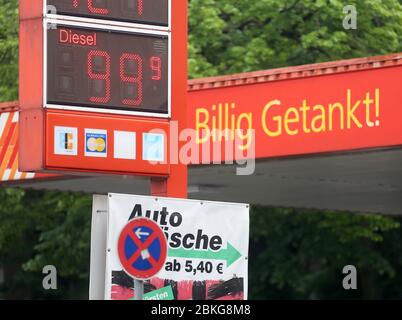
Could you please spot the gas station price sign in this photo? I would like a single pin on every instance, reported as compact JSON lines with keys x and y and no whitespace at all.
{"x":115,"y":69}
{"x":100,"y":82}
{"x":152,"y":12}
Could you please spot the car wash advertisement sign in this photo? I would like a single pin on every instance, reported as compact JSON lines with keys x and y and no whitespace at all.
{"x":207,"y":254}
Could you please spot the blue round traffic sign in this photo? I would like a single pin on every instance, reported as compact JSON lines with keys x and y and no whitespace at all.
{"x":142,"y":248}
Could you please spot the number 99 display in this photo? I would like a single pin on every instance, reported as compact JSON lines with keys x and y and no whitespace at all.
{"x":113,"y":70}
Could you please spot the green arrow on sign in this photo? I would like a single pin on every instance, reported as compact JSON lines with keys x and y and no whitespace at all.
{"x":230,"y":254}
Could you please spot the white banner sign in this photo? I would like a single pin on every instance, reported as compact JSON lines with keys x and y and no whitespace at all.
{"x":207,"y":247}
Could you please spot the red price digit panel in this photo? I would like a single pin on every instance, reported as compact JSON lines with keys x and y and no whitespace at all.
{"x":155,"y":12}
{"x":111,"y":70}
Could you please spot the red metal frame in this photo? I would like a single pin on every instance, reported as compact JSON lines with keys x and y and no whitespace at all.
{"x":31,"y":86}
{"x":36,"y":126}
{"x":176,"y":185}
{"x":296,"y":72}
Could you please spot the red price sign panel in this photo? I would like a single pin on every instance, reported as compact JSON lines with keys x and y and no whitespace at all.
{"x":152,"y":12}
{"x":89,"y":68}
{"x":97,"y":90}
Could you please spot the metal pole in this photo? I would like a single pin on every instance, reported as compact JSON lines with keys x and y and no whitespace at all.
{"x":139,"y":289}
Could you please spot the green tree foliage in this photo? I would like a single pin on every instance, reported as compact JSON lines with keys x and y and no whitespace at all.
{"x":301,"y":254}
{"x":294,"y":253}
{"x":229,"y":36}
{"x":44,"y":228}
{"x":8,"y":50}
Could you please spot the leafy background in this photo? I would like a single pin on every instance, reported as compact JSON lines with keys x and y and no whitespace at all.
{"x":294,"y":254}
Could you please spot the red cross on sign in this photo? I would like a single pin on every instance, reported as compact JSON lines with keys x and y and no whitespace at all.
{"x":142,"y":248}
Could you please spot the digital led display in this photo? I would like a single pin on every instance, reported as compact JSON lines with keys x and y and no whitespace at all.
{"x":155,"y":12}
{"x":114,"y":70}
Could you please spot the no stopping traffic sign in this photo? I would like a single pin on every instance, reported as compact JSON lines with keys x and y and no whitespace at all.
{"x":142,"y":248}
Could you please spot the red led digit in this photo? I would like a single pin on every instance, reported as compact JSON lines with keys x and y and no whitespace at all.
{"x":93,"y":9}
{"x":100,"y":76}
{"x":130,"y":79}
{"x":140,"y":7}
{"x":156,"y":66}
{"x":75,"y":3}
